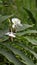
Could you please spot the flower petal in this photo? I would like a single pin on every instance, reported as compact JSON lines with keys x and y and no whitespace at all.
{"x":10,"y":34}
{"x":16,"y":21}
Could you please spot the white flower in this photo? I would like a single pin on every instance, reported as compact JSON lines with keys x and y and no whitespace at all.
{"x":11,"y":34}
{"x":16,"y":22}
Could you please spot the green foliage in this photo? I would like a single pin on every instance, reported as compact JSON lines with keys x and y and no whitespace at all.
{"x":23,"y":49}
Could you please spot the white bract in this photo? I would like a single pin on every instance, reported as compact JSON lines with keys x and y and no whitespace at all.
{"x":11,"y":34}
{"x":16,"y":22}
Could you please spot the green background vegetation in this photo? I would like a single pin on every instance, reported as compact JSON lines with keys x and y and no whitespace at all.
{"x":23,"y":50}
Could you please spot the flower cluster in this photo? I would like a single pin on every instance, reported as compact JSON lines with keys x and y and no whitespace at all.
{"x":16,"y":22}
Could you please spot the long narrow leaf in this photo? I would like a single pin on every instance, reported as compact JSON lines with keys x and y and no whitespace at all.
{"x":26,"y":60}
{"x":30,"y":15}
{"x":24,"y":27}
{"x":26,"y":48}
{"x":32,"y":40}
{"x":3,"y":18}
{"x":10,"y":56}
{"x":27,"y":32}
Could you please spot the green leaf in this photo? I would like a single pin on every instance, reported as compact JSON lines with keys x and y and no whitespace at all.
{"x":30,"y":50}
{"x":3,"y":18}
{"x":10,"y":56}
{"x":26,"y":32}
{"x":24,"y":27}
{"x":26,"y":60}
{"x":32,"y":40}
{"x":30,"y":15}
{"x":20,"y":44}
